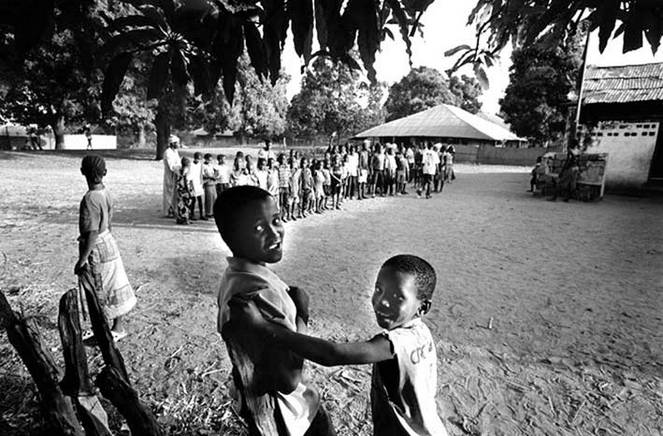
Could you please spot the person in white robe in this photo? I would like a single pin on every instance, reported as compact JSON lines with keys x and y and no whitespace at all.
{"x":171,"y":165}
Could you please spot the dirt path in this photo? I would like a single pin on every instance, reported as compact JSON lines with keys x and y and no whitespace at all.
{"x":574,"y":292}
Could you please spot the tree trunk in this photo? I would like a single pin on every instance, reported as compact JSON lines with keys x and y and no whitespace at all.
{"x":58,"y":131}
{"x":163,"y":130}
{"x":140,"y":137}
{"x":56,"y":407}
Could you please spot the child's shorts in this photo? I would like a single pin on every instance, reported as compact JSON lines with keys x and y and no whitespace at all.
{"x":363,"y":175}
{"x":400,"y":177}
{"x":326,"y":189}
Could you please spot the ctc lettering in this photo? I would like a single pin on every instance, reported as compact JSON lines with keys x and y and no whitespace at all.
{"x":420,"y":353}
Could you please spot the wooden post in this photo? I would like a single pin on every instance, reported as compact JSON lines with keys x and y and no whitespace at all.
{"x":102,"y":333}
{"x":76,"y":377}
{"x":139,"y":418}
{"x":56,"y":407}
{"x":76,"y":382}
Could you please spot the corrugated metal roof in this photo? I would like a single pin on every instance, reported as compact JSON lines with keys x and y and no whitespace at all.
{"x":441,"y":121}
{"x":623,"y":84}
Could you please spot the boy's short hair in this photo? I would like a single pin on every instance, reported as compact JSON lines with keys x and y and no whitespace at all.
{"x":220,"y":156}
{"x":207,"y":156}
{"x":231,"y":203}
{"x":424,"y":274}
{"x":197,"y":155}
{"x":93,"y":167}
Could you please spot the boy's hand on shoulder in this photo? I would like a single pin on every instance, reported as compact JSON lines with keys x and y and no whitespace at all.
{"x":301,"y":299}
{"x":246,"y":312}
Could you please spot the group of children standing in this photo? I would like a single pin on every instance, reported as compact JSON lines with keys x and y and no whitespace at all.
{"x":303,"y":186}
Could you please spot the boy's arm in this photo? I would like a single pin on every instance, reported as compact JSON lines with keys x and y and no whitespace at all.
{"x":318,"y":350}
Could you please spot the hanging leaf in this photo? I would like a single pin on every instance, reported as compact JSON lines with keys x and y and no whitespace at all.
{"x":113,"y":77}
{"x":481,"y":76}
{"x":275,"y":27}
{"x":363,"y":15}
{"x":227,"y":48}
{"x":456,"y":49}
{"x":178,"y":67}
{"x":607,"y":14}
{"x":327,"y":19}
{"x":256,"y":49}
{"x":401,"y":18}
{"x":158,"y":75}
{"x":654,"y":30}
{"x":199,"y":69}
{"x":301,"y":16}
{"x":413,"y":7}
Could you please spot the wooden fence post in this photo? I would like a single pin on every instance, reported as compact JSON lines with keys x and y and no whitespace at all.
{"x":24,"y":336}
{"x":76,"y":382}
{"x":139,"y":418}
{"x":102,"y":333}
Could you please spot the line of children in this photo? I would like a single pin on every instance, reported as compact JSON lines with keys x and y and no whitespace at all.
{"x":263,"y":323}
{"x":304,"y":186}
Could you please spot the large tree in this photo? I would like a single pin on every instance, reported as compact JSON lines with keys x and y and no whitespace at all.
{"x":57,"y":82}
{"x":258,"y":109}
{"x":536,"y":102}
{"x":425,"y":87}
{"x":333,"y":98}
{"x":550,"y":22}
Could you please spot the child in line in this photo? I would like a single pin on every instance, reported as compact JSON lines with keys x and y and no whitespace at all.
{"x":404,"y":357}
{"x":184,"y":193}
{"x":261,"y":174}
{"x":307,"y":188}
{"x":318,"y":185}
{"x":273,"y":181}
{"x":336,"y":180}
{"x":284,"y":187}
{"x":402,"y":173}
{"x":274,"y":400}
{"x":326,"y":184}
{"x":209,"y":183}
{"x":98,"y":251}
{"x":195,"y":175}
{"x":223,"y":172}
{"x":295,"y":188}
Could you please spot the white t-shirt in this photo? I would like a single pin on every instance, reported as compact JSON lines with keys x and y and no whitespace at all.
{"x":196,"y":177}
{"x":353,"y":164}
{"x":262,"y":178}
{"x":403,"y":389}
{"x":223,"y":173}
{"x":430,"y":161}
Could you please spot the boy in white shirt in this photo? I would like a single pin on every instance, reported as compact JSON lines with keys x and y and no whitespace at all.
{"x":223,"y":171}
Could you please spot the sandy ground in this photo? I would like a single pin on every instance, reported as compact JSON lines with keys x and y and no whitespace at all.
{"x":574,"y":291}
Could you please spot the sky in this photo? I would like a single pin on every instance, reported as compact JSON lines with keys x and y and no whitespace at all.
{"x":445,"y":26}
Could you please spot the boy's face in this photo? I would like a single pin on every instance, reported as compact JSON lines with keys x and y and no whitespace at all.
{"x":395,"y":299}
{"x":259,"y":233}
{"x":221,"y":160}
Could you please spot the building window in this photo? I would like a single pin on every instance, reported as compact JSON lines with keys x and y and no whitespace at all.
{"x":652,"y":133}
{"x":638,"y":126}
{"x":599,"y":134}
